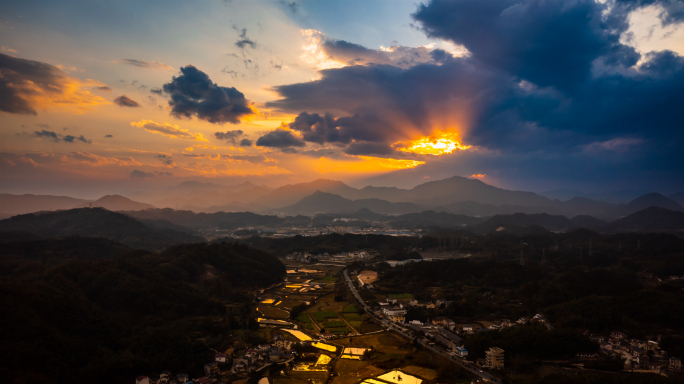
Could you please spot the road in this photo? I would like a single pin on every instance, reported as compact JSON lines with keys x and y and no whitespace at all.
{"x":387,"y":324}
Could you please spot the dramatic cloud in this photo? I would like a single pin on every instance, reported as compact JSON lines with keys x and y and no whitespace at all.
{"x":125,"y":101}
{"x":245,"y":143}
{"x":193,"y":93}
{"x":280,"y":138}
{"x":27,"y":85}
{"x":230,"y":136}
{"x":147,"y":64}
{"x":56,"y":137}
{"x":136,"y":174}
{"x":326,"y":53}
{"x":168,"y":130}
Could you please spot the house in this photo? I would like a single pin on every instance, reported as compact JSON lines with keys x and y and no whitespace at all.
{"x":618,"y":335}
{"x":413,"y":302}
{"x":461,"y":352}
{"x":391,"y":300}
{"x":439,"y":303}
{"x":327,"y":335}
{"x":283,"y":344}
{"x":439,"y":320}
{"x":220,"y":357}
{"x":454,"y":340}
{"x":182,"y":378}
{"x":211,"y":368}
{"x":523,"y":320}
{"x":394,"y":311}
{"x":263,"y":347}
{"x":676,"y":363}
{"x":430,"y":306}
{"x":467,"y":328}
{"x":397,"y":318}
{"x":495,"y":358}
{"x":142,"y":380}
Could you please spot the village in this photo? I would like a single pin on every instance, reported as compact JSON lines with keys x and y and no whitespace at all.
{"x":313,"y":333}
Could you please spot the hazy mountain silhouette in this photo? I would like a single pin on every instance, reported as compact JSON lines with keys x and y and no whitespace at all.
{"x":645,"y":201}
{"x":678,"y":197}
{"x":97,"y":222}
{"x":116,"y":203}
{"x":519,"y":221}
{"x":20,"y":204}
{"x":651,"y":219}
{"x":322,"y":202}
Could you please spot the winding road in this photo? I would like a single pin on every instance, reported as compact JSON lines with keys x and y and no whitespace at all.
{"x":387,"y":324}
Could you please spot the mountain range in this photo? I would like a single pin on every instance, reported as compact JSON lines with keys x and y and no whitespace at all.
{"x":457,"y":195}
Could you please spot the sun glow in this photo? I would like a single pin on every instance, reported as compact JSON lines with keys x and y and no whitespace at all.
{"x":439,"y":144}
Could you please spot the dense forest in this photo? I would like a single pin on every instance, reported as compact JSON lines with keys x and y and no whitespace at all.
{"x":90,"y":310}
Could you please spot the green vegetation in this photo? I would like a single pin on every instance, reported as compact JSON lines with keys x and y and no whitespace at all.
{"x":334,"y":324}
{"x":351,"y":308}
{"x":352,"y":316}
{"x":329,"y":279}
{"x":303,"y":317}
{"x":322,"y":315}
{"x":88,"y":317}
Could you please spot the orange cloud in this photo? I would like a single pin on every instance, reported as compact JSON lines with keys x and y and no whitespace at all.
{"x":363,"y":164}
{"x":169,"y":130}
{"x":95,"y":160}
{"x":479,"y":175}
{"x":31,"y":85}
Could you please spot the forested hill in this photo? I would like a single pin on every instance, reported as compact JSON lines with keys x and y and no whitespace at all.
{"x":97,"y":222}
{"x":109,"y":320}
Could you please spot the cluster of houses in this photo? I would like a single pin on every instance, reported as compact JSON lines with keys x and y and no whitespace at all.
{"x":642,"y":355}
{"x":263,"y":355}
{"x":212,"y":371}
{"x":306,"y":257}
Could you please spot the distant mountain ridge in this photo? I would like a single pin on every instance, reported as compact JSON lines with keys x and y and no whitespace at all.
{"x":322,"y":202}
{"x":97,"y":222}
{"x":20,"y":204}
{"x":117,"y":203}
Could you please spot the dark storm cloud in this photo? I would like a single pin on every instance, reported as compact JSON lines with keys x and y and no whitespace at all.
{"x":125,"y":101}
{"x":327,"y":129}
{"x":136,"y":174}
{"x":230,"y":136}
{"x":245,"y":143}
{"x":193,"y":93}
{"x":157,"y":91}
{"x":56,"y":137}
{"x":279,"y":138}
{"x":542,"y":77}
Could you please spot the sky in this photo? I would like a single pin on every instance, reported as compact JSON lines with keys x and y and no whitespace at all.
{"x":101,"y":97}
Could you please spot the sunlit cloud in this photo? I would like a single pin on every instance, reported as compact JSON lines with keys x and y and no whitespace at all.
{"x":440,"y":143}
{"x":154,"y":65}
{"x":314,"y":53}
{"x":478,"y":175}
{"x":363,"y":164}
{"x":28,"y":85}
{"x":168,"y":130}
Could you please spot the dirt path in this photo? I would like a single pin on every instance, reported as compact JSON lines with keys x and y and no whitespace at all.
{"x":346,"y":322}
{"x":314,"y":324}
